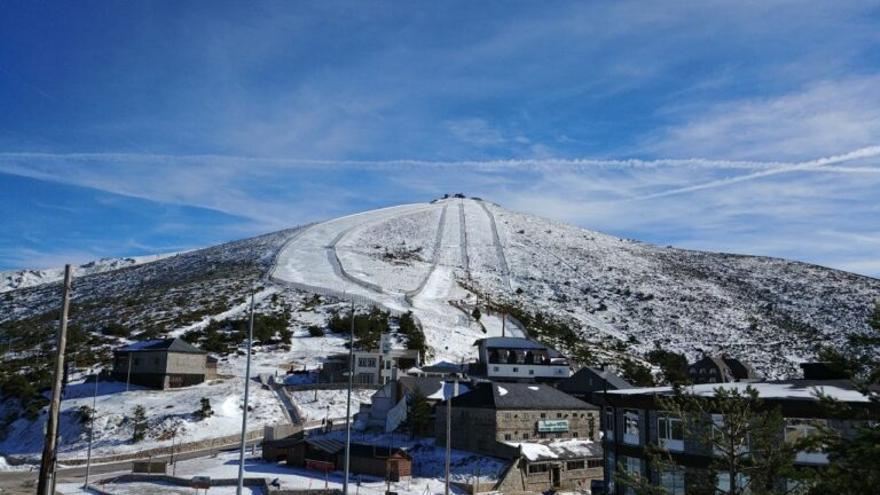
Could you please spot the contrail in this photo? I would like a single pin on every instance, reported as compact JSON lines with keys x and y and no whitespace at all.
{"x":542,"y":164}
{"x":869,"y":152}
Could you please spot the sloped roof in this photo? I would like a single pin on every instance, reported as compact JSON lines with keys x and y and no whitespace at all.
{"x":559,"y":449}
{"x":518,"y":396}
{"x":842,"y":390}
{"x":511,"y":343}
{"x":333,"y":446}
{"x":433,"y":388}
{"x":443,"y":367}
{"x":575,"y":381}
{"x":170,"y":345}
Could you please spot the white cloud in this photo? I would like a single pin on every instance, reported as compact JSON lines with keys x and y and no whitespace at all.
{"x":822,"y":118}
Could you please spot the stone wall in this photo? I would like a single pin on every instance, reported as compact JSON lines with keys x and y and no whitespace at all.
{"x":522,"y":426}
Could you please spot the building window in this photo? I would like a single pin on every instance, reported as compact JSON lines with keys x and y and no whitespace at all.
{"x":594,"y":463}
{"x":631,"y":426}
{"x":531,"y":372}
{"x":574,"y":434}
{"x":515,"y":369}
{"x":672,"y":480}
{"x":525,"y":436}
{"x":507,"y":436}
{"x":670,"y":432}
{"x":538,"y":468}
{"x":543,"y":415}
{"x":609,"y":422}
{"x":367,"y":362}
{"x":723,"y":483}
{"x":570,"y":465}
{"x":800,"y":428}
{"x":558,"y":415}
{"x":633,"y":465}
{"x":494,"y":368}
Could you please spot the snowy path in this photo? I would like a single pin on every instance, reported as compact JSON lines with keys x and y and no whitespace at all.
{"x":309,"y":259}
{"x":312,"y":259}
{"x":463,"y":240}
{"x":499,"y":249}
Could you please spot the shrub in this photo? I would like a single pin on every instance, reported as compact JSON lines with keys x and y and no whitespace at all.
{"x":139,"y":420}
{"x":205,"y":410}
{"x":315,"y":331}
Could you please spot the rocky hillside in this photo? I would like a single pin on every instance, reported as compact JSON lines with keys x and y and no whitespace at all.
{"x":594,"y":295}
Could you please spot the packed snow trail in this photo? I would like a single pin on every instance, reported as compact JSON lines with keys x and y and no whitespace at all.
{"x":465,"y":262}
{"x":309,"y":260}
{"x":438,"y":246}
{"x":499,"y":249}
{"x":315,"y":259}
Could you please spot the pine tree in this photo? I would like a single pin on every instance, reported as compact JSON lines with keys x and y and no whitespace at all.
{"x":205,"y":410}
{"x":419,"y":414}
{"x":139,"y":421}
{"x":476,"y":314}
{"x":741,"y":432}
{"x":854,"y":461}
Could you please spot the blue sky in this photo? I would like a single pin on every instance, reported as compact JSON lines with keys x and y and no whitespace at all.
{"x":131,"y":128}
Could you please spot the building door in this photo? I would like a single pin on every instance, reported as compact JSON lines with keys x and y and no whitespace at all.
{"x":554,"y":476}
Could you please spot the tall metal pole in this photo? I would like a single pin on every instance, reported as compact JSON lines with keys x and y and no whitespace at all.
{"x":128,"y":375}
{"x":449,"y":433}
{"x":47,"y":464}
{"x":348,"y":402}
{"x":91,"y":433}
{"x":247,"y":379}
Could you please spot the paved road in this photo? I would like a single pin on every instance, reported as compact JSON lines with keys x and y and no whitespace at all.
{"x":21,"y":483}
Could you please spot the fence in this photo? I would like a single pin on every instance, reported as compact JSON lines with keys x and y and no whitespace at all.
{"x":210,"y":443}
{"x":258,"y":483}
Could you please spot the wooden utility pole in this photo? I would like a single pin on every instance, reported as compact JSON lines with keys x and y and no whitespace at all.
{"x":244,"y":409}
{"x":47,"y":464}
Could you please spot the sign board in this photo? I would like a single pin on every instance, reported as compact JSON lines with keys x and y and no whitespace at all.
{"x":553,"y":425}
{"x":203,"y":482}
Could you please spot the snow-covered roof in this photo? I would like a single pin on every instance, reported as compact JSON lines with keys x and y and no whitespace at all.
{"x":559,"y":449}
{"x":510,"y":343}
{"x":518,"y":396}
{"x":170,"y":345}
{"x":841,"y":390}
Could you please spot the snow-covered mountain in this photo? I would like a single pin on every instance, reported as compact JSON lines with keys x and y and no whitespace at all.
{"x":19,"y":279}
{"x":596,"y":297}
{"x":607,"y":296}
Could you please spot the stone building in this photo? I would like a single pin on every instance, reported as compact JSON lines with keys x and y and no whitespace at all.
{"x":165,"y":363}
{"x":555,"y":465}
{"x":515,"y":412}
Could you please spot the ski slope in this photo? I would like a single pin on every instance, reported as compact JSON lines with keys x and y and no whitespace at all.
{"x":350,"y":257}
